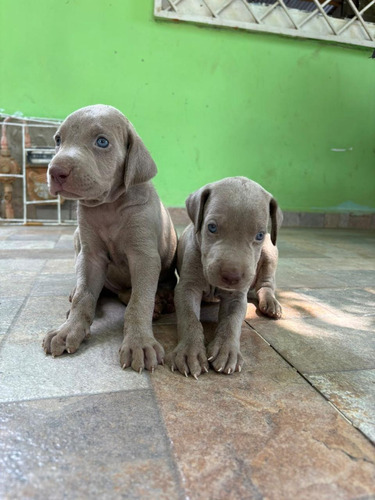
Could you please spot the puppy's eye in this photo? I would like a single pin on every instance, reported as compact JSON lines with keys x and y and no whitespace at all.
{"x":57,"y":140}
{"x":260,"y":236}
{"x":212,"y":227}
{"x":102,"y":142}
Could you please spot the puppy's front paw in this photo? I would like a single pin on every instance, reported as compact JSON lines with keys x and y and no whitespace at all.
{"x":189,"y":358}
{"x":268,"y":304}
{"x":66,"y":338}
{"x":225,"y":356}
{"x":140,"y":353}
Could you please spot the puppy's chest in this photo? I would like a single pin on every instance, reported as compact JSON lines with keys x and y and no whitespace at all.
{"x":215,"y":294}
{"x":114,"y":242}
{"x":118,"y":274}
{"x":116,"y":254}
{"x":211,"y":294}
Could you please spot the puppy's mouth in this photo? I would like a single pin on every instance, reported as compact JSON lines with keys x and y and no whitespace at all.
{"x":237,"y":285}
{"x":92,"y":203}
{"x":57,"y":189}
{"x":83,"y":201}
{"x":240,"y":287}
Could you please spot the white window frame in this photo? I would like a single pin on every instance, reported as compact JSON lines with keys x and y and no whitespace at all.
{"x":56,"y":201}
{"x":276,"y":18}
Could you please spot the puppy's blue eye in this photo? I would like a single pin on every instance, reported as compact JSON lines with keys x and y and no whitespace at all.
{"x":102,"y":142}
{"x":259,"y":236}
{"x":212,"y":228}
{"x":57,"y":140}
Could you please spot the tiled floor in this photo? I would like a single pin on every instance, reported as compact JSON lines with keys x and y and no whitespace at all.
{"x":297,"y":423}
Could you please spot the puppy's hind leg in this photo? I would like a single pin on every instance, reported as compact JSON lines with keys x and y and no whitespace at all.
{"x":77,"y":249}
{"x":265,"y":280}
{"x":164,"y":299}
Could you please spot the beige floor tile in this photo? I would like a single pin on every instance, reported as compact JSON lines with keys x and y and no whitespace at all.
{"x":28,"y":373}
{"x":321,"y":344}
{"x":58,"y":266}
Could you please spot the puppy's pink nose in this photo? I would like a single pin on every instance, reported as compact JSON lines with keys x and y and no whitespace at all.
{"x":231,"y":277}
{"x":59,"y":173}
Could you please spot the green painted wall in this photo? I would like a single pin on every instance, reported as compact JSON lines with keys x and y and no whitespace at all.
{"x":208,"y":103}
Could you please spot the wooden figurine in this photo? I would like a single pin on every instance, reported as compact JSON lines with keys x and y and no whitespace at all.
{"x":8,"y":166}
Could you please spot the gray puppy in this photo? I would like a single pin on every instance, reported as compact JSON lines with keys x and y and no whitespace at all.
{"x":225,"y":252}
{"x":125,"y":238}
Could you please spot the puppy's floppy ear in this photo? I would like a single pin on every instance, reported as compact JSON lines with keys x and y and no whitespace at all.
{"x":195,"y":205}
{"x":139,"y":166}
{"x":276,"y":219}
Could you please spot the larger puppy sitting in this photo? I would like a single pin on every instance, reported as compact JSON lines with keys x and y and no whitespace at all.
{"x":225,"y":252}
{"x":125,"y":238}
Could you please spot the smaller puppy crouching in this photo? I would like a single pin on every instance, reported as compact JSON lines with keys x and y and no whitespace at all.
{"x":226,"y":250}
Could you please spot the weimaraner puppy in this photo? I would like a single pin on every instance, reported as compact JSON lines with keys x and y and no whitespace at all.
{"x":225,"y":252}
{"x":125,"y":238}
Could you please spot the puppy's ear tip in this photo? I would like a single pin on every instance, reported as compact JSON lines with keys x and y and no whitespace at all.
{"x":139,"y":165}
{"x":276,"y":219}
{"x":195,"y":205}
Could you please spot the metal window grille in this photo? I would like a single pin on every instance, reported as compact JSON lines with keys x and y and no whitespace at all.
{"x":27,"y":170}
{"x":297,"y":18}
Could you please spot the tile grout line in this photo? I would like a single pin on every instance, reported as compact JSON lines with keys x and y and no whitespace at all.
{"x":348,"y":370}
{"x":14,"y":320}
{"x":21,"y":308}
{"x":179,"y":476}
{"x":80,"y":395}
{"x":310,"y":384}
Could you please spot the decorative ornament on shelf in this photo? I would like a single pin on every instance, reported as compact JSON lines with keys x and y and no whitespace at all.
{"x":9,"y":167}
{"x":36,"y":171}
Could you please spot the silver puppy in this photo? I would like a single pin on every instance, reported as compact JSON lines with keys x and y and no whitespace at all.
{"x":125,"y":238}
{"x":225,"y":252}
